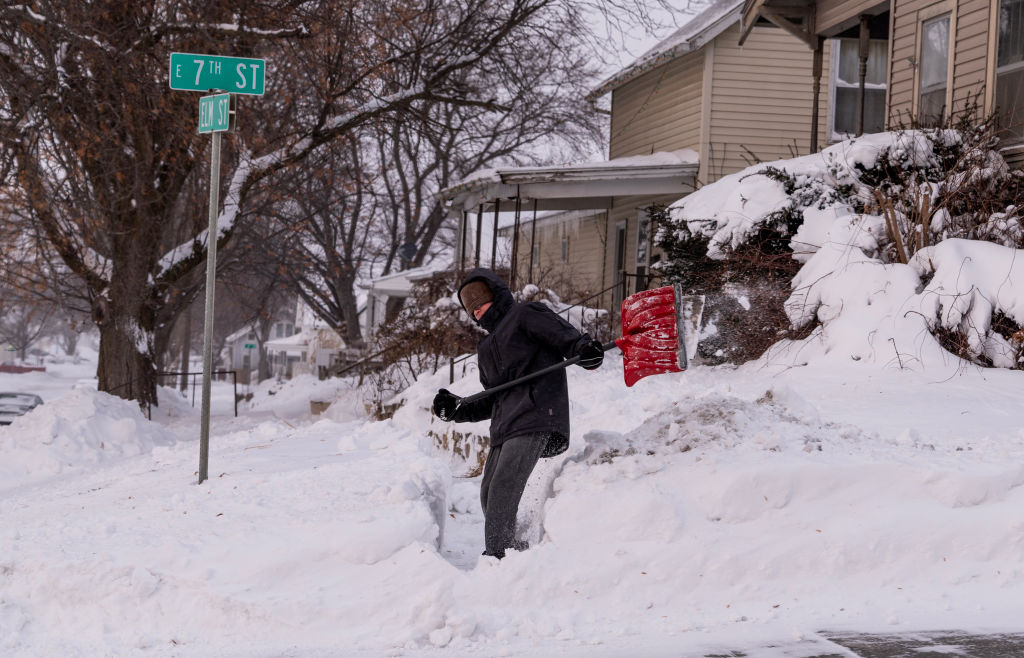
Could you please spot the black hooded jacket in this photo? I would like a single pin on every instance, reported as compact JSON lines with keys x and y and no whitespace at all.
{"x":522,"y":338}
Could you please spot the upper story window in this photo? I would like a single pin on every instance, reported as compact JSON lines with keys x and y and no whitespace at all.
{"x":934,"y":72}
{"x":1010,"y":69}
{"x":846,"y":87}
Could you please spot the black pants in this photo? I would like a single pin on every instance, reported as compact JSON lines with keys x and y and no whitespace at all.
{"x":506,"y":471}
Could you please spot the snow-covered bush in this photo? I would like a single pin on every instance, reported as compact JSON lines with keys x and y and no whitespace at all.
{"x":887,"y":196}
{"x":431,"y":330}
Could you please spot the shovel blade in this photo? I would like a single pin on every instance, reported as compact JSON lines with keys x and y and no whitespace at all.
{"x":659,"y":332}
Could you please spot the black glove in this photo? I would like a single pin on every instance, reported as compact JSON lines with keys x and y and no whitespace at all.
{"x":591,"y":355}
{"x":445,"y":404}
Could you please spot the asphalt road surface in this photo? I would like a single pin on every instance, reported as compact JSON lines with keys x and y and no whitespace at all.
{"x":938,"y":644}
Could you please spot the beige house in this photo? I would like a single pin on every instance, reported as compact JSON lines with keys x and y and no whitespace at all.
{"x":699,"y":96}
{"x":745,"y":81}
{"x":915,"y":59}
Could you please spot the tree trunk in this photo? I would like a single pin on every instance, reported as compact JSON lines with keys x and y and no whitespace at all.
{"x":126,"y":367}
{"x":350,"y":313}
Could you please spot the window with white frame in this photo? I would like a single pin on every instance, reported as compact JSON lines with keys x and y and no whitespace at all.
{"x":1010,"y":69}
{"x":934,"y":72}
{"x":846,"y":87}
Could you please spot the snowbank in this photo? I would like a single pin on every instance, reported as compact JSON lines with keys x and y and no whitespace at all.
{"x":291,"y":398}
{"x":81,"y":429}
{"x":863,"y":308}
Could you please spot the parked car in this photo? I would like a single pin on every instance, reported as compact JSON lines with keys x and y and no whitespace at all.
{"x":13,"y":405}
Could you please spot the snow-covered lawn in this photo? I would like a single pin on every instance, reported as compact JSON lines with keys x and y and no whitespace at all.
{"x":710,"y":509}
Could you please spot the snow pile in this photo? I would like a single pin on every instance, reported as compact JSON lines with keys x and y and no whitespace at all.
{"x":80,"y":429}
{"x":864,"y":308}
{"x":732,"y":209}
{"x":291,"y":398}
{"x":693,"y":512}
{"x":295,"y":532}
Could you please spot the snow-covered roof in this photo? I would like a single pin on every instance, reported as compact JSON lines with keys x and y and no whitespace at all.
{"x":398,"y":284}
{"x":294,"y":343}
{"x":241,"y":333}
{"x":581,"y":185}
{"x":704,"y":27}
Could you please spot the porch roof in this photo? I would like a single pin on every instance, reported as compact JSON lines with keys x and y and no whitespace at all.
{"x":801,"y":18}
{"x":580,"y":186}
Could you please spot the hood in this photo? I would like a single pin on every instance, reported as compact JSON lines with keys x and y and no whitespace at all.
{"x":503,"y":299}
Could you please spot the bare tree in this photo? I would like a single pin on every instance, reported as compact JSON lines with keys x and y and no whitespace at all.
{"x":24,"y":321}
{"x":103,"y":151}
{"x":321,"y":229}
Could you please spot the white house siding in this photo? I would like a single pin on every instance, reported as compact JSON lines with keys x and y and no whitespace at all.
{"x":762,"y":96}
{"x":658,"y":111}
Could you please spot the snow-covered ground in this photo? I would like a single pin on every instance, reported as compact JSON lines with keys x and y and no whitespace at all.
{"x":714,"y":509}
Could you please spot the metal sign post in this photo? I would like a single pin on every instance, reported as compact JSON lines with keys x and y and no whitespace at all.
{"x":217,"y":114}
{"x":211,"y":280}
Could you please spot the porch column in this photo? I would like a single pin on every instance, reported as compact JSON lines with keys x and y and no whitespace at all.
{"x":865,"y":33}
{"x":819,"y":51}
{"x":479,"y":231}
{"x":462,"y":242}
{"x":515,"y":242}
{"x":494,"y":234}
{"x":533,"y":238}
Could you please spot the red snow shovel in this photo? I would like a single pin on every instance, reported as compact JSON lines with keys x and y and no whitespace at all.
{"x":659,"y":332}
{"x":659,"y":335}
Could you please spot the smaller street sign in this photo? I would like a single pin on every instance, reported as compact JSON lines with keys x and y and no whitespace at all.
{"x":241,"y":75}
{"x":216,"y":113}
{"x":250,"y":346}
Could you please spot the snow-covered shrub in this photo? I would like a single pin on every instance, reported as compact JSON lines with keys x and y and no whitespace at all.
{"x":887,"y":196}
{"x":431,"y":330}
{"x":744,"y":294}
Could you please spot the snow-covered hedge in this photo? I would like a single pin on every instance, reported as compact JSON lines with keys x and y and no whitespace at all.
{"x":927,"y":221}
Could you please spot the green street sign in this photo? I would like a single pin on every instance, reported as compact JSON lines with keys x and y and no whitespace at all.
{"x":216,"y":113}
{"x":249,"y":346}
{"x":240,"y":75}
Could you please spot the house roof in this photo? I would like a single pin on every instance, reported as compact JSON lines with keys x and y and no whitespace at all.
{"x":399,"y":284}
{"x":579,"y":186}
{"x":244,"y":331}
{"x":704,"y":27}
{"x":295,"y":343}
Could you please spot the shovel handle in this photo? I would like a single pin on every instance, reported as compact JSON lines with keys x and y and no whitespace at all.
{"x":525,"y":378}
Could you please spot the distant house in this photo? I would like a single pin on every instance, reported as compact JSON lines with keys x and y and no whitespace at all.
{"x":304,"y":345}
{"x":379,"y":291}
{"x":242,"y":348}
{"x":311,"y":348}
{"x":695,"y":108}
{"x":925,"y":59}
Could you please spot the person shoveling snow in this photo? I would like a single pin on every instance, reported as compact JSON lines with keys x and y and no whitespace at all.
{"x":522,"y":361}
{"x":529,"y":420}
